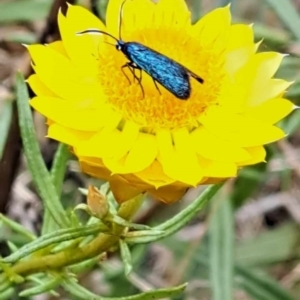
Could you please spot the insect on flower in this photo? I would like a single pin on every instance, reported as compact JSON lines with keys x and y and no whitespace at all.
{"x":164,"y":70}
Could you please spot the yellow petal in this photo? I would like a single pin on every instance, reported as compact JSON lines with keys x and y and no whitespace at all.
{"x":59,"y":47}
{"x":60,"y":76}
{"x":271,"y":111}
{"x":67,"y":136}
{"x":236,"y":59}
{"x":154,"y":175}
{"x":240,"y":36}
{"x":258,"y":155}
{"x":179,"y":161}
{"x":243,"y":131}
{"x":127,"y":138}
{"x":254,"y":79}
{"x":171,"y":13}
{"x":265,"y":90}
{"x":101,"y":144}
{"x":38,"y":87}
{"x":218,"y":169}
{"x":214,"y":148}
{"x":121,"y":190}
{"x":61,"y":112}
{"x":94,"y":168}
{"x":87,"y":19}
{"x":142,"y":153}
{"x":214,"y":27}
{"x":262,"y":66}
{"x":82,"y":49}
{"x":105,"y":141}
{"x":135,"y":14}
{"x":168,"y":194}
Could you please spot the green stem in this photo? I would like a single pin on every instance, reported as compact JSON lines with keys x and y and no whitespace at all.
{"x":69,"y":257}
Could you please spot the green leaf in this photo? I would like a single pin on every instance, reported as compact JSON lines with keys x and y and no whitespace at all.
{"x":38,"y":280}
{"x":126,"y":256}
{"x":82,"y":293}
{"x":17,"y":227}
{"x":5,"y":119}
{"x":58,"y":172}
{"x":58,"y":236}
{"x":287,"y":12}
{"x":42,"y":287}
{"x":181,"y":219}
{"x":24,"y":10}
{"x":12,"y":247}
{"x":284,"y":242}
{"x":36,"y":165}
{"x":7,"y":294}
{"x":260,"y":286}
{"x":221,"y":243}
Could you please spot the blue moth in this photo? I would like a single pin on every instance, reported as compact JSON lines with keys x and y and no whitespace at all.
{"x":167,"y":72}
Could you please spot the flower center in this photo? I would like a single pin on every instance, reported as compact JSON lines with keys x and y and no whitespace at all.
{"x":162,"y":109}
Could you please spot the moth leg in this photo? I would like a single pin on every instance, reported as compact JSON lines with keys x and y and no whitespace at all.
{"x":154,"y":81}
{"x":132,"y":67}
{"x":122,"y":69}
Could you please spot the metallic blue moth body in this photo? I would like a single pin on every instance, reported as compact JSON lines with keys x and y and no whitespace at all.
{"x":170,"y":74}
{"x":164,"y":70}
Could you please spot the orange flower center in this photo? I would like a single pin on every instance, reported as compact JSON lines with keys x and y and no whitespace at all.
{"x":164,"y":110}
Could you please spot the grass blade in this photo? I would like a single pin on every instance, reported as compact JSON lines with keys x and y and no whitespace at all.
{"x":221,"y":241}
{"x":5,"y":120}
{"x":36,"y":165}
{"x":261,"y":287}
{"x":58,"y":172}
{"x":287,"y":12}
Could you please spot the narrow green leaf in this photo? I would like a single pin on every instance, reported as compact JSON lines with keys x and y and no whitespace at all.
{"x":36,"y":279}
{"x":181,"y":219}
{"x":12,"y":247}
{"x":82,"y":293}
{"x":59,"y":236}
{"x":221,"y":240}
{"x":17,"y":227}
{"x":120,"y":221}
{"x":5,"y":284}
{"x":7,"y":294}
{"x":260,"y":286}
{"x":59,"y":167}
{"x":126,"y":256}
{"x":36,"y":165}
{"x":287,"y":12}
{"x":20,"y":10}
{"x":85,"y":265}
{"x":42,"y":288}
{"x":58,"y":172}
{"x":5,"y":119}
{"x":283,"y":240}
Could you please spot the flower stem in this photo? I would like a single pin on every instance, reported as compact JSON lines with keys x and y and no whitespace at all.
{"x":102,"y":243}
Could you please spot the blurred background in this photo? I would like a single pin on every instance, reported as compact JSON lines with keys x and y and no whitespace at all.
{"x":265,"y":198}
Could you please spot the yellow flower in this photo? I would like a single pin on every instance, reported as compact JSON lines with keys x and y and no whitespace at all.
{"x":159,"y":143}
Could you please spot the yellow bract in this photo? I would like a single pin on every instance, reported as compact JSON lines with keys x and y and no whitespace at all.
{"x":158,"y":143}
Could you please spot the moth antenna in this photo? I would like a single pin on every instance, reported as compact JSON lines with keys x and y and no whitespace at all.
{"x":95,"y":31}
{"x":120,"y":19}
{"x":109,"y":43}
